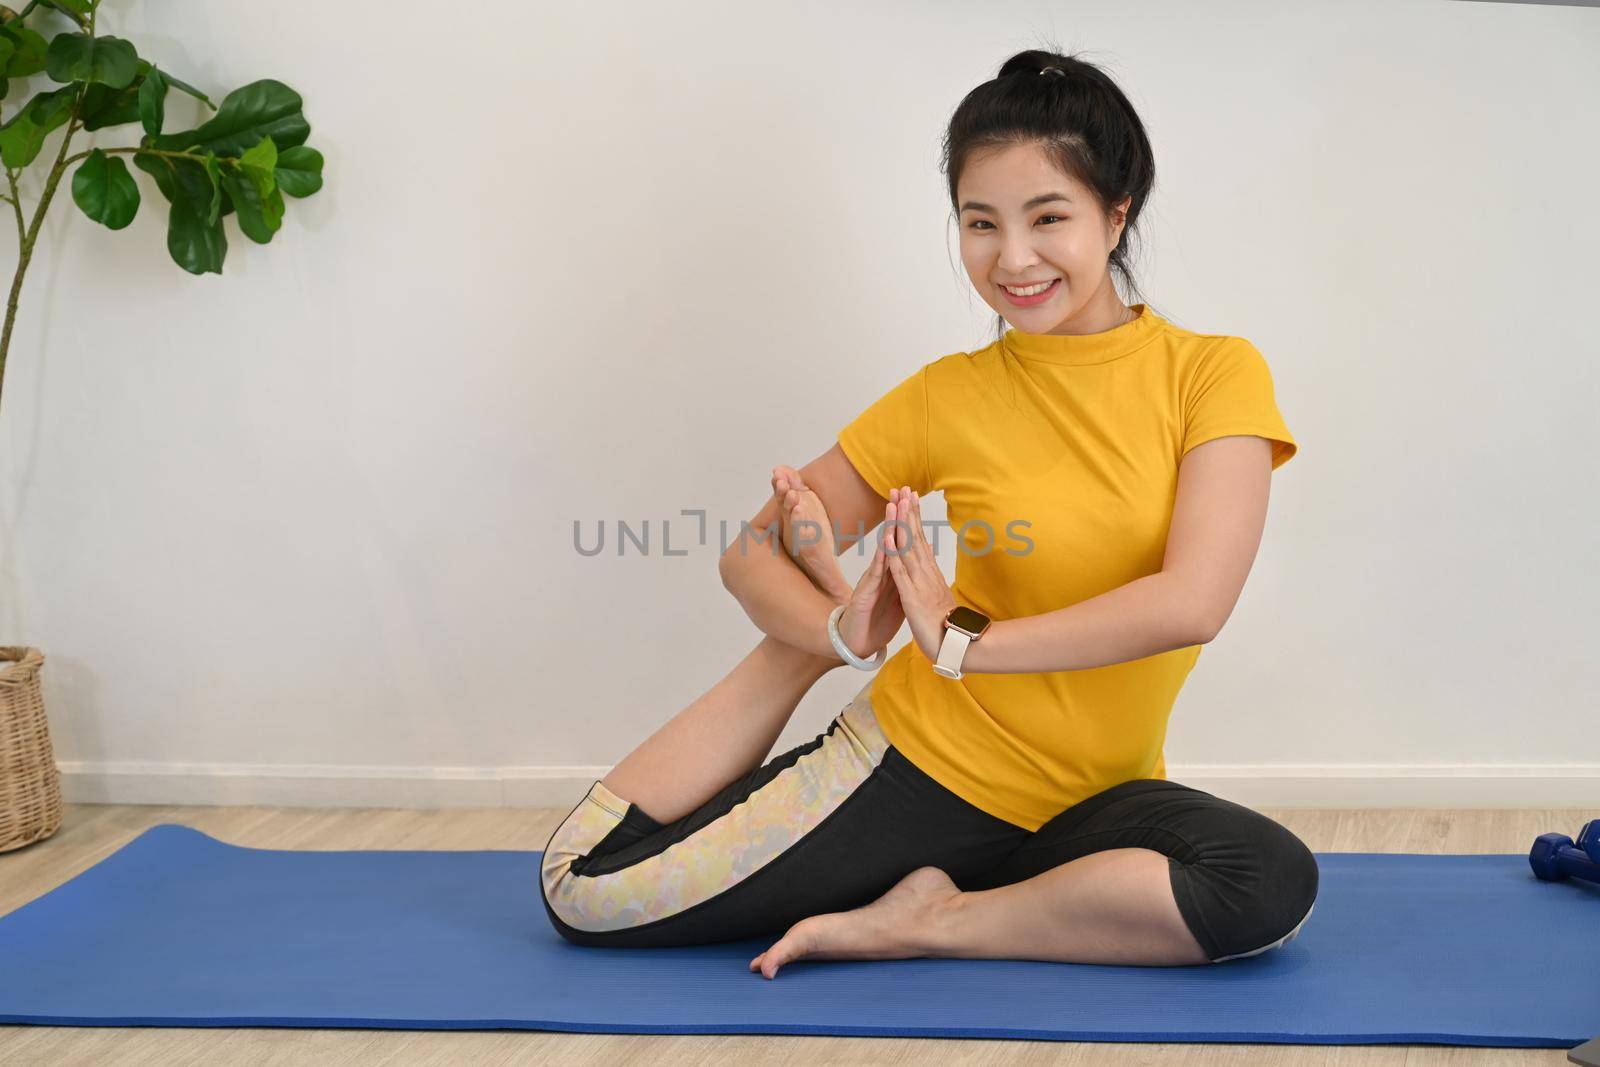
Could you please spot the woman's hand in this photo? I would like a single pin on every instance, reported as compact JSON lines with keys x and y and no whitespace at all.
{"x":872,"y":615}
{"x":925,"y":596}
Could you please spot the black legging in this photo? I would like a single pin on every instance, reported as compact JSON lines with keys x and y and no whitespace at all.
{"x":833,"y":823}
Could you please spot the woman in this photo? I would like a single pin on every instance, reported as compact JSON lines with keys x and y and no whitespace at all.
{"x":1002,"y":795}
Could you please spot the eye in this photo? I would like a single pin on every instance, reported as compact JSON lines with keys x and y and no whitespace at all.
{"x":982,"y":222}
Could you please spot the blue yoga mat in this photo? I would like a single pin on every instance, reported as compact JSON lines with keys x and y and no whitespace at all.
{"x":180,"y":929}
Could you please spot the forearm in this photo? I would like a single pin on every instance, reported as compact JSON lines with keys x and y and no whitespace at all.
{"x":780,"y":599}
{"x":1144,"y":617}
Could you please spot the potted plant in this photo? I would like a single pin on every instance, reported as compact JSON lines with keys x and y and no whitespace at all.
{"x":242,"y":161}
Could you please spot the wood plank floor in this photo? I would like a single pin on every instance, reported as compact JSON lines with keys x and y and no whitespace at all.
{"x":89,"y":833}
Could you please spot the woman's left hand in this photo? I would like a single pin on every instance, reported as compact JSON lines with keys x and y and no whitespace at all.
{"x":924,"y":594}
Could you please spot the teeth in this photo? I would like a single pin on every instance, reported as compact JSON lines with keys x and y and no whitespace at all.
{"x":1030,"y":290}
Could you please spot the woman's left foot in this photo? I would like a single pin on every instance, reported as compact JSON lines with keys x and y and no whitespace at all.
{"x":896,"y":926}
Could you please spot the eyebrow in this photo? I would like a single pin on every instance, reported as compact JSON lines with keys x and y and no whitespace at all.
{"x":1042,"y":198}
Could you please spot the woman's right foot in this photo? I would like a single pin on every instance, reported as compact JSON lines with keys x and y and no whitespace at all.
{"x":808,"y":533}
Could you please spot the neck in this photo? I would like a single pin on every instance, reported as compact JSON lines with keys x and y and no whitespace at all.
{"x":1103,"y":311}
{"x":1120,"y":335}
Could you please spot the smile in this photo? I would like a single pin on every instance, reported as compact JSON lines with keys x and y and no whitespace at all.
{"x":1029,"y":295}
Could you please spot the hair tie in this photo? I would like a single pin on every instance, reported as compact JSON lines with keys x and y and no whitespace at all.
{"x":1054,"y":70}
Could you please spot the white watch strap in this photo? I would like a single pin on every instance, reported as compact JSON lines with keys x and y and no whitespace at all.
{"x":952,"y":650}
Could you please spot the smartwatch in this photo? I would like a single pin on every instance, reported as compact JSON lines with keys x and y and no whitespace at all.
{"x":962,"y":626}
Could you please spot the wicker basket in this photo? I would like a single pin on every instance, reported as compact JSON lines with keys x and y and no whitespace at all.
{"x":30,"y":784}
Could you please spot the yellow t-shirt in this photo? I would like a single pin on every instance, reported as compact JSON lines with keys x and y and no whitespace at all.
{"x":1060,"y":454}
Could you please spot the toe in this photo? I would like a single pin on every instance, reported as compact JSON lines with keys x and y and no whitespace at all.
{"x":791,"y":946}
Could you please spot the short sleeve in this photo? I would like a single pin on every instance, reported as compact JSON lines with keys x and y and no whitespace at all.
{"x":888,"y":442}
{"x":1231,"y":393}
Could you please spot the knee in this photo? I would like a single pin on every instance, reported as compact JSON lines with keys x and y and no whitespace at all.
{"x":1293,"y":876}
{"x":552,"y":881}
{"x":555,"y":878}
{"x":1251,"y":895}
{"x":1284,"y":896}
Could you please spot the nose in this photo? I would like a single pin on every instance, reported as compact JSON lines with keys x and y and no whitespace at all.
{"x":1017,"y":258}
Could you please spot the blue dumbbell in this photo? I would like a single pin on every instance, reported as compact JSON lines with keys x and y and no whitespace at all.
{"x":1555,"y":857}
{"x":1589,"y":839}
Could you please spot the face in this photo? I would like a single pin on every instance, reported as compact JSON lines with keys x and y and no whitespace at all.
{"x":1065,"y":239}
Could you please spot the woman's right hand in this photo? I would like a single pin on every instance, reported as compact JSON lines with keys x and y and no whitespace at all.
{"x":873,"y":614}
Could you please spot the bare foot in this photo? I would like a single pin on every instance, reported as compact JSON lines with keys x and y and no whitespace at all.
{"x":893,"y":927}
{"x":808,"y":532}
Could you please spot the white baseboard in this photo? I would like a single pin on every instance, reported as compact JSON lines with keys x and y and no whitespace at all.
{"x":324,"y":786}
{"x":1379,"y":785}
{"x":1333,"y":785}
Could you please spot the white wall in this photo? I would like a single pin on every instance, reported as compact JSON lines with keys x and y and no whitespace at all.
{"x":302,"y":533}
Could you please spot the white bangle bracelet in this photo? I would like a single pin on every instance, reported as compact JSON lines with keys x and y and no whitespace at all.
{"x":844,"y":650}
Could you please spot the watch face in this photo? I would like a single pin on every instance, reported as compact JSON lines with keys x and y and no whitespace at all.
{"x":968,"y":621}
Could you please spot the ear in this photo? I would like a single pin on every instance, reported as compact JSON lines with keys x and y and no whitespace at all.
{"x":1119,"y":214}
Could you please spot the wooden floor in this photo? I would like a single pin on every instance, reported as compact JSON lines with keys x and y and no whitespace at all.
{"x":89,"y":833}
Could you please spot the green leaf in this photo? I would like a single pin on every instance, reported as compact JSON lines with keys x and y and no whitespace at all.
{"x":23,"y":134}
{"x":191,"y":90}
{"x":76,"y":10}
{"x":105,"y":190}
{"x":162,"y":170}
{"x":258,"y":166}
{"x":299,"y":170}
{"x":104,"y":106}
{"x":177,"y":178}
{"x":275,"y":208}
{"x":214,"y":174}
{"x":260,"y":211}
{"x":153,"y":101}
{"x":196,"y":245}
{"x":105,"y":60}
{"x":182,"y":177}
{"x":264,"y":108}
{"x":262,"y":157}
{"x":30,"y":49}
{"x":111,"y":107}
{"x":98,"y":60}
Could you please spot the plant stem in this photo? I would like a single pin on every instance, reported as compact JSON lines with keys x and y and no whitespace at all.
{"x":232,"y":161}
{"x":16,"y":202}
{"x":29,"y":236}
{"x":25,"y":251}
{"x":27,"y":241}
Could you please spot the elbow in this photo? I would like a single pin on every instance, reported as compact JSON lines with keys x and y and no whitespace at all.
{"x":1199,"y":615}
{"x":1205,"y":626}
{"x":727,"y":568}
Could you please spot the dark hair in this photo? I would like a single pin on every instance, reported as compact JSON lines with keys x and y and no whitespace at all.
{"x":1078,"y":118}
